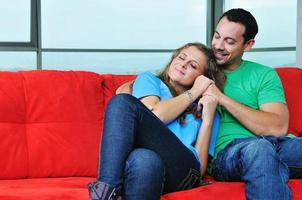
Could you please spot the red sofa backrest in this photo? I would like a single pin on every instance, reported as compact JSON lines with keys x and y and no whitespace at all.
{"x":291,"y":78}
{"x":50,"y":123}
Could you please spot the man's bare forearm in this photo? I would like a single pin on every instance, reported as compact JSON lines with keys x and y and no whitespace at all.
{"x":271,"y":119}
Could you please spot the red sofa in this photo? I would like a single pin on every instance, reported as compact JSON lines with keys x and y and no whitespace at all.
{"x":50,"y":129}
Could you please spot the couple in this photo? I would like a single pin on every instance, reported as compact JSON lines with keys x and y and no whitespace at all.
{"x":159,"y":142}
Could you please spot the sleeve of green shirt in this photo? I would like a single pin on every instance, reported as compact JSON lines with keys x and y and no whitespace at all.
{"x":271,"y":89}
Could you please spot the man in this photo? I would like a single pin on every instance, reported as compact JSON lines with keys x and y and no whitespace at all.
{"x":252,"y":145}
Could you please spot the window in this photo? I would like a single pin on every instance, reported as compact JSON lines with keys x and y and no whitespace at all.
{"x":106,"y":62}
{"x":299,"y":33}
{"x":17,"y":60}
{"x":15,"y":21}
{"x":133,"y":24}
{"x":130,"y":36}
{"x":273,"y":41}
{"x":272,"y":58}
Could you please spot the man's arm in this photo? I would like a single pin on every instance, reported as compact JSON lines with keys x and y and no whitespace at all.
{"x":271,"y":119}
{"x":125,"y":88}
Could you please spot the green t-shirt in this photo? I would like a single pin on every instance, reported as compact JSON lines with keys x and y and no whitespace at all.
{"x":250,"y":84}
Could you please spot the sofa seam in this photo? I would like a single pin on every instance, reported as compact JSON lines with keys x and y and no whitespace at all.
{"x":25,"y":120}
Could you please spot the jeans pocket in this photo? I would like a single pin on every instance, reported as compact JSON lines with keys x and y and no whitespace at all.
{"x":193,"y":179}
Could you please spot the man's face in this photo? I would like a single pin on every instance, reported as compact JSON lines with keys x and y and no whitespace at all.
{"x":228,"y":43}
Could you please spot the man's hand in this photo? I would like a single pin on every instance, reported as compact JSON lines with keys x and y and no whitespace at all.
{"x":213,"y":91}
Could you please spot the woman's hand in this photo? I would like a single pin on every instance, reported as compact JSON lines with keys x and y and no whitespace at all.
{"x":200,"y":85}
{"x":207,"y":104}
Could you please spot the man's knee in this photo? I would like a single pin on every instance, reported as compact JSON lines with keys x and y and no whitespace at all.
{"x":258,"y":149}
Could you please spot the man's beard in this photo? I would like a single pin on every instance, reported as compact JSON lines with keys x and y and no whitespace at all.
{"x":223,"y":66}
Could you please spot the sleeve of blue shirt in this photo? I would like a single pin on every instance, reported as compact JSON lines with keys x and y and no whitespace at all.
{"x":146,"y":84}
{"x":215,"y":129}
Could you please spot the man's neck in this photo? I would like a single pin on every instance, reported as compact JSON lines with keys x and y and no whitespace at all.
{"x":232,"y":67}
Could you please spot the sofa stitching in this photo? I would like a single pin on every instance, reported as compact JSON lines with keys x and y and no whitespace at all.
{"x":25,"y":120}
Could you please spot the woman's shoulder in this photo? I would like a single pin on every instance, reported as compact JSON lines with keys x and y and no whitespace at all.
{"x":146,"y":84}
{"x":148,"y":76}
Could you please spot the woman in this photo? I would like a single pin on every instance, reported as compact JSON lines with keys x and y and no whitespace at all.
{"x":155,"y":143}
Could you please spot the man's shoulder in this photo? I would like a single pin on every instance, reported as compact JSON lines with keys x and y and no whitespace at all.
{"x":257,"y":70}
{"x":256,"y":66}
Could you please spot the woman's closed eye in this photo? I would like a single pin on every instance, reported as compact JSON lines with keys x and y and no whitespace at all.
{"x":194,"y":65}
{"x":182,"y":57}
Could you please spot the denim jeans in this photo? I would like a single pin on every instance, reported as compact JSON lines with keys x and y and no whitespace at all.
{"x":140,"y":153}
{"x":264,"y":163}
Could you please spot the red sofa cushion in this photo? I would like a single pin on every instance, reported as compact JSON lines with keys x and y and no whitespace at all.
{"x":13,"y":144}
{"x":225,"y":191}
{"x":45,"y":189}
{"x":50,"y":124}
{"x":75,"y":188}
{"x":292,"y":81}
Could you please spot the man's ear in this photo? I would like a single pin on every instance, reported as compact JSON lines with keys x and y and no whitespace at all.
{"x":248,"y":45}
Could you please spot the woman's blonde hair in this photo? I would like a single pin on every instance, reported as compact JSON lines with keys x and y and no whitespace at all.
{"x":211,"y":71}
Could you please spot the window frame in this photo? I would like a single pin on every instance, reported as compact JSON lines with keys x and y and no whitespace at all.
{"x":25,"y":46}
{"x":214,"y":11}
{"x":299,"y":33}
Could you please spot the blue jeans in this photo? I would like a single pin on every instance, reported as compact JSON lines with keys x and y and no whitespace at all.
{"x":140,"y":153}
{"x":264,"y":163}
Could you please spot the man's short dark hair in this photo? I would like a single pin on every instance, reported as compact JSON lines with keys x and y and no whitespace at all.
{"x":245,"y":18}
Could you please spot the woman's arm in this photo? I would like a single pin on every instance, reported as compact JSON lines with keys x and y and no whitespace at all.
{"x":168,"y":110}
{"x":125,"y":88}
{"x":209,"y":104}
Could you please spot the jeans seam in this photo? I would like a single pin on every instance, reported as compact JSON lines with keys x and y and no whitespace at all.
{"x":295,"y":167}
{"x":164,"y":180}
{"x":190,"y":180}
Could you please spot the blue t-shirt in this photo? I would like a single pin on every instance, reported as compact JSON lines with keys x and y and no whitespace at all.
{"x":147,"y":84}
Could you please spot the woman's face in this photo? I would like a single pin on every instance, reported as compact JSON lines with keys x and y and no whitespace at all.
{"x":187,"y":66}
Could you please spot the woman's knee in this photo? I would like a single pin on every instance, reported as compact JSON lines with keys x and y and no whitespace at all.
{"x":144,"y":163}
{"x":120,"y":99}
{"x":120,"y":103}
{"x":144,"y":175}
